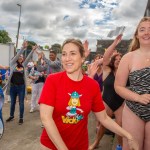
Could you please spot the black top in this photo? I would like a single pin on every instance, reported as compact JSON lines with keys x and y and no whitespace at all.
{"x":40,"y":79}
{"x":110,"y":97}
{"x":18,"y":76}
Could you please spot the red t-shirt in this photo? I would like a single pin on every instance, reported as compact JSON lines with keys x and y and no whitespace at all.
{"x":72,"y":102}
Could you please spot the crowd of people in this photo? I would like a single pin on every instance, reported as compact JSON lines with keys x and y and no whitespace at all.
{"x":112,"y":86}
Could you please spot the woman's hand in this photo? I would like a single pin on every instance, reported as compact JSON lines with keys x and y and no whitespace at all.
{"x":133,"y":144}
{"x":40,"y":56}
{"x":143,"y":99}
{"x":25,"y":45}
{"x":86,"y":48}
{"x":92,"y":69}
{"x":34,"y":47}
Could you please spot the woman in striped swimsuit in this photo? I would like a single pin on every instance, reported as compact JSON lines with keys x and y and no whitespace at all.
{"x":136,"y":66}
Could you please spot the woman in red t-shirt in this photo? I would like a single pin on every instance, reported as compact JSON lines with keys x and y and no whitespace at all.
{"x":67,"y":99}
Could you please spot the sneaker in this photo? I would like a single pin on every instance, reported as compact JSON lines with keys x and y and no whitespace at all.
{"x":10,"y":119}
{"x":31,"y":110}
{"x":20,"y":121}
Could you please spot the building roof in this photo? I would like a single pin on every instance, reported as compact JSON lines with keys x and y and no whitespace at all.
{"x":147,"y":10}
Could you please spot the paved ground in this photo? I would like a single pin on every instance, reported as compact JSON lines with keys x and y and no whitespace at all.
{"x":26,"y":136}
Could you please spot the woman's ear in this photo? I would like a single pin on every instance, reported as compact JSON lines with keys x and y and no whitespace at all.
{"x":83,"y":60}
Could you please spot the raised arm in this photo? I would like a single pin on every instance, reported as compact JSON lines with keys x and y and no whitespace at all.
{"x":86,"y":48}
{"x":110,"y":50}
{"x":24,"y":47}
{"x":50,"y":126}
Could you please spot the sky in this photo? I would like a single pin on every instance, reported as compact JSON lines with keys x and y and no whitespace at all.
{"x":47,"y":22}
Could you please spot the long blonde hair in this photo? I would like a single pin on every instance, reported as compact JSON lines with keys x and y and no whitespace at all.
{"x":135,"y":41}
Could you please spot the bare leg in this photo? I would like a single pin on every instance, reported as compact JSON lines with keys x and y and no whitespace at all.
{"x":98,"y":137}
{"x":147,"y":136}
{"x":118,"y":119}
{"x":134,"y":125}
{"x":101,"y":130}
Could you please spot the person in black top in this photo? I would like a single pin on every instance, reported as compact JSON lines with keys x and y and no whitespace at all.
{"x":113,"y":102}
{"x":16,"y":84}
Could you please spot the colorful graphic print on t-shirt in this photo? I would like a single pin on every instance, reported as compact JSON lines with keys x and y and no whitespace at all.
{"x":75,"y":113}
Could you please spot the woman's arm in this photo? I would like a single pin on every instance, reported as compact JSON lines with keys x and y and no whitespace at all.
{"x":50,"y":126}
{"x":86,"y":48}
{"x":107,"y":56}
{"x":107,"y":122}
{"x":110,"y":50}
{"x":4,"y":67}
{"x":121,"y":80}
{"x":93,"y":67}
{"x":24,"y":47}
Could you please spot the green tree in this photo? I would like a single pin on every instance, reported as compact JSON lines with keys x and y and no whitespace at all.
{"x":30,"y":44}
{"x":46,"y":47}
{"x":4,"y":37}
{"x":56,"y":47}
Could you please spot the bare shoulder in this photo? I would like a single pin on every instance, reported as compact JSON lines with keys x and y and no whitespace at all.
{"x":127,"y":58}
{"x":128,"y":55}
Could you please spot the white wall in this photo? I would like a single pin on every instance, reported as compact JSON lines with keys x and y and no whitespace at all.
{"x":6,"y":53}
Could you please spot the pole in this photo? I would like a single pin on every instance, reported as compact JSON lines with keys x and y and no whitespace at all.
{"x":19,"y":23}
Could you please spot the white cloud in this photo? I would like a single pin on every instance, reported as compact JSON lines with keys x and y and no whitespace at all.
{"x":51,"y":21}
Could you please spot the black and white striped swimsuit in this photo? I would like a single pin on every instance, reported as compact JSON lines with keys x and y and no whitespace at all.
{"x":140,"y":83}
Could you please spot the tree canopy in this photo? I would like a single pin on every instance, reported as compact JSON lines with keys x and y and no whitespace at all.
{"x":46,"y":47}
{"x":56,"y":47}
{"x":29,"y":48}
{"x":4,"y":37}
{"x":30,"y":44}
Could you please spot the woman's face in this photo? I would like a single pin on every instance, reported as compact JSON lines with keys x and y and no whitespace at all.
{"x":97,"y":58}
{"x":20,"y":59}
{"x":71,"y":58}
{"x":117,"y":61}
{"x":144,"y":33}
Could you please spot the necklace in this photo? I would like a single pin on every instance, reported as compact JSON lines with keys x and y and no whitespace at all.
{"x":147,"y":59}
